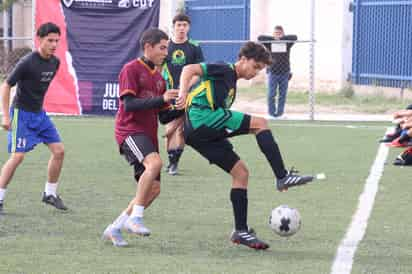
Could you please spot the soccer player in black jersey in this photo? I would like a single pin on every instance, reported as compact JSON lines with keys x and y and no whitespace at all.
{"x":182,"y":51}
{"x":26,"y":121}
{"x":209,"y":123}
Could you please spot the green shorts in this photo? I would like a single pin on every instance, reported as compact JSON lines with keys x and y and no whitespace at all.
{"x":218,"y":119}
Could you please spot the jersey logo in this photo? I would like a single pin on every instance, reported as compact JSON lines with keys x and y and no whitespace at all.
{"x":178,"y":57}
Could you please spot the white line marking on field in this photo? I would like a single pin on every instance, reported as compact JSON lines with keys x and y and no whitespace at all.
{"x":347,"y":248}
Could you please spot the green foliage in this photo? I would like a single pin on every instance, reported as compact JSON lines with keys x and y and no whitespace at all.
{"x":343,"y":101}
{"x":347,"y":91}
{"x":6,"y":4}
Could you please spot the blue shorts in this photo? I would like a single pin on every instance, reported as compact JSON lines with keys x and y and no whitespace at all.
{"x":29,"y":129}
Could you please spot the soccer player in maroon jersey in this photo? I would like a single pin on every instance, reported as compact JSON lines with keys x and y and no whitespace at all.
{"x":142,"y":95}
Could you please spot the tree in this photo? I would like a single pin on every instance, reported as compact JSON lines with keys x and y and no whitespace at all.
{"x":5,"y":4}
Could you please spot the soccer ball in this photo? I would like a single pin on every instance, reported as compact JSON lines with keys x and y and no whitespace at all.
{"x":285,"y":221}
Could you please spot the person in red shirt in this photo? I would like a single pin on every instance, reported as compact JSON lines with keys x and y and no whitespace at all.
{"x":142,"y":95}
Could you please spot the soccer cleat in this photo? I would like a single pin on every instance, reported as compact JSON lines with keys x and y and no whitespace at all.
{"x":135,"y":225}
{"x":292,"y":179}
{"x":248,"y":238}
{"x":173,"y":169}
{"x":114,"y":235}
{"x":57,"y":202}
{"x":1,"y":208}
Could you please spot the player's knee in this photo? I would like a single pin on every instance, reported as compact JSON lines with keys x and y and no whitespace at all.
{"x":263,"y":124}
{"x":154,"y":164}
{"x":241,"y":173}
{"x":58,"y":152}
{"x":259,"y":124}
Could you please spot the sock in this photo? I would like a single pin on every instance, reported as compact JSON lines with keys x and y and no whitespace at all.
{"x":2,"y":194}
{"x":119,"y":222}
{"x":238,"y":196}
{"x":50,"y":189}
{"x":270,"y":149}
{"x":137,"y":211}
{"x":178,"y":153}
{"x":174,"y":155}
{"x":171,"y":155}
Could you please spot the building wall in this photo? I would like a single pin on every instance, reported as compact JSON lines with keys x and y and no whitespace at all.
{"x":333,"y":34}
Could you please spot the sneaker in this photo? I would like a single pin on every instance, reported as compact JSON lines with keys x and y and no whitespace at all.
{"x":398,"y":142}
{"x":388,"y":138}
{"x":404,"y":159}
{"x":114,"y":235}
{"x":135,"y":225}
{"x":245,"y":237}
{"x":173,"y":169}
{"x":292,"y":179}
{"x":57,"y":202}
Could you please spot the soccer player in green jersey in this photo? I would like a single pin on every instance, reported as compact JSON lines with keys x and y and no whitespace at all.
{"x":209,"y":123}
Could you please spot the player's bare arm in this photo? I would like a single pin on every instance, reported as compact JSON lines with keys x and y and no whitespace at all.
{"x":189,"y":73}
{"x":5,"y":98}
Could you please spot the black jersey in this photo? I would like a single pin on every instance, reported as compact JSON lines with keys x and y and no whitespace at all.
{"x":280,"y":52}
{"x":33,"y":75}
{"x":217,"y":87}
{"x":178,"y":56}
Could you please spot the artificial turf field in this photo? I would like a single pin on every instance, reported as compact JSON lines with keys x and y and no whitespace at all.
{"x":192,"y":219}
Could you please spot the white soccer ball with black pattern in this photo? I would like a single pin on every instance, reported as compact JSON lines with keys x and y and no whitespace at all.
{"x":285,"y":221}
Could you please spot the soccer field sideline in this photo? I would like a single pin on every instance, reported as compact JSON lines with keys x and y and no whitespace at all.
{"x":343,"y":261}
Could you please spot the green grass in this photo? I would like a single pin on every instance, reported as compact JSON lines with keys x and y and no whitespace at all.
{"x":192,"y":218}
{"x":373,"y":104}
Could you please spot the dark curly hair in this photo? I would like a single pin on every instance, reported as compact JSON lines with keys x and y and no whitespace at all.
{"x":256,"y":51}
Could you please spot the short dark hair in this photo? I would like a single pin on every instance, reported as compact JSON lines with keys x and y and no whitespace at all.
{"x":47,"y":28}
{"x":279,"y":27}
{"x":152,"y":36}
{"x":258,"y":52}
{"x":181,"y":17}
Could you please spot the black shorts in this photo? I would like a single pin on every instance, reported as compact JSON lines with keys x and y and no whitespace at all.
{"x":214,"y":145}
{"x":135,"y":148}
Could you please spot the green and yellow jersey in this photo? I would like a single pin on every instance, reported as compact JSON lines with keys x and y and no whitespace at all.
{"x":209,"y":100}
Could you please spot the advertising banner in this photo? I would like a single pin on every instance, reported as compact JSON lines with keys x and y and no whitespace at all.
{"x":98,"y":37}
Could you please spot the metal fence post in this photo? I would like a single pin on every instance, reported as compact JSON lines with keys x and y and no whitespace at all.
{"x":312,"y":62}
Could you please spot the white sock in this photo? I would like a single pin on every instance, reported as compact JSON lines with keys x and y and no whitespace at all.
{"x":137,"y":211}
{"x":51,"y":189}
{"x":119,"y":222}
{"x":2,"y":194}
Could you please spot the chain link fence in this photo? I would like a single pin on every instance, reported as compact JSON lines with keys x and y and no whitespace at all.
{"x":292,"y":70}
{"x":11,"y":50}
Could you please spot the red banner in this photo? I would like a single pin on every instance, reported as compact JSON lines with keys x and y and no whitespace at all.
{"x":62,"y":96}
{"x":97,"y":38}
